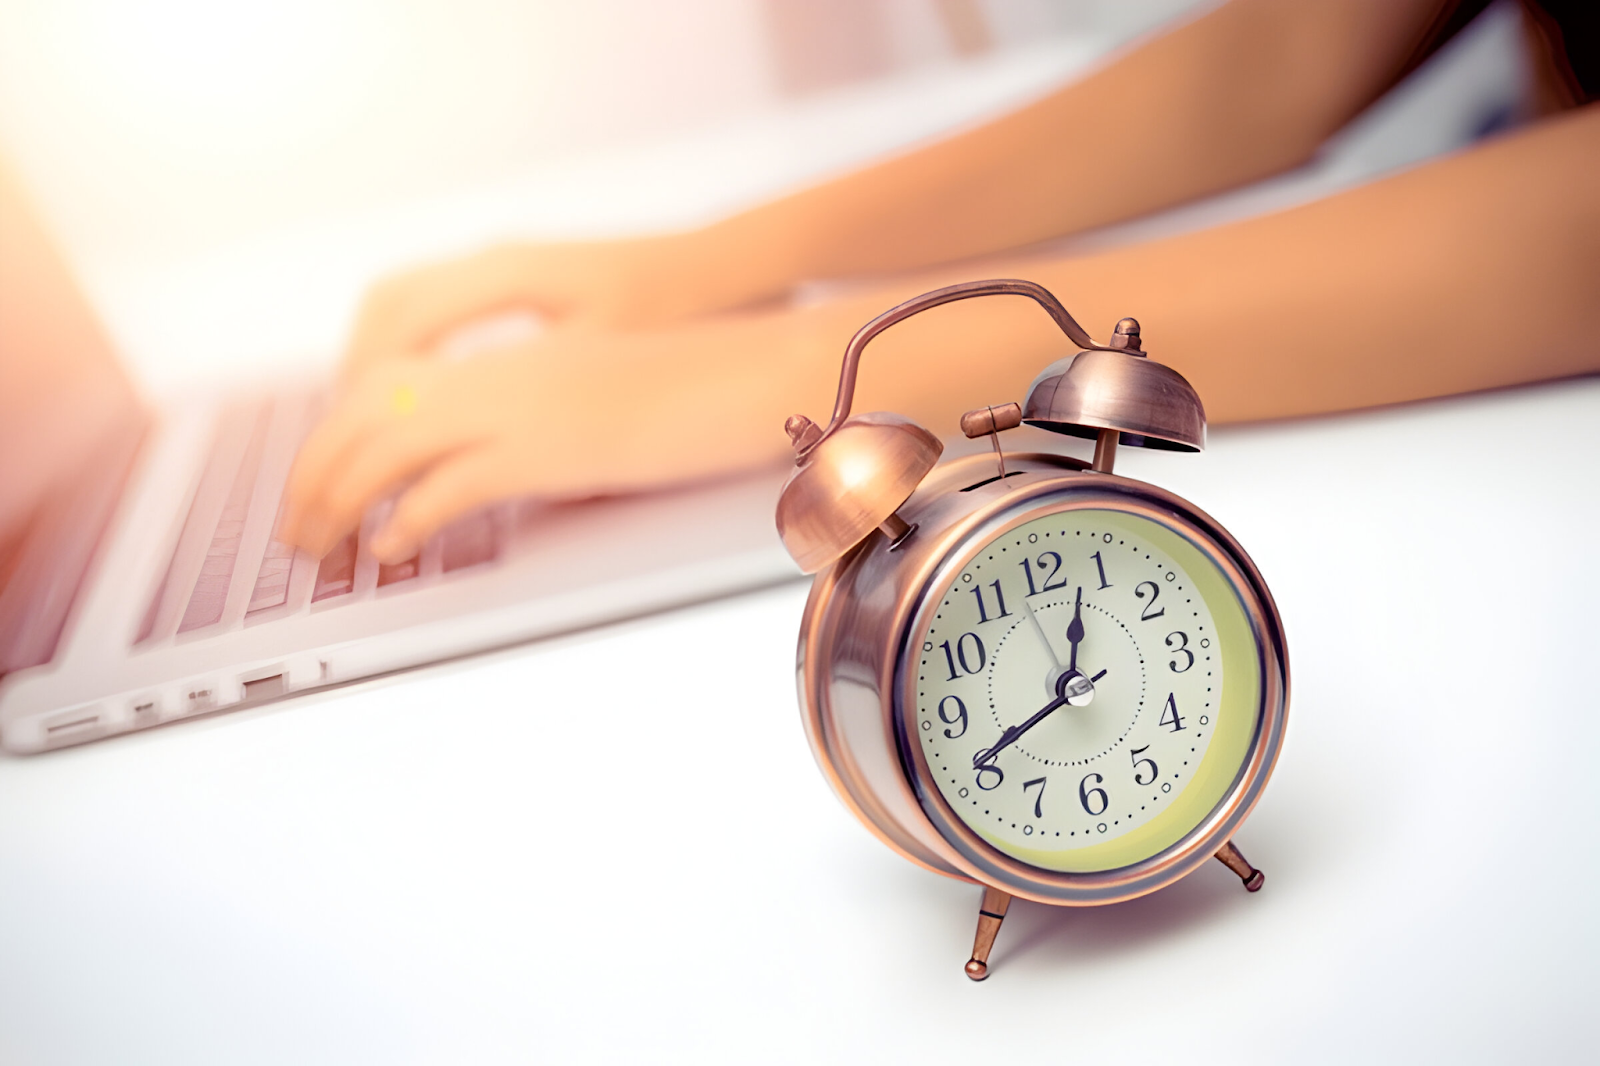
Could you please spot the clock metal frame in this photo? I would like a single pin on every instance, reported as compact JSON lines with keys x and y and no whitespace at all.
{"x":867,"y":610}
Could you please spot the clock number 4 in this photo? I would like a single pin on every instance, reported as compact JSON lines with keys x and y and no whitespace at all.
{"x":964,"y":656}
{"x":1050,"y":582}
{"x":999,"y":599}
{"x":1169,"y":713}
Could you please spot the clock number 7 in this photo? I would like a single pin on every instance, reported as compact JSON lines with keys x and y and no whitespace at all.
{"x":1038,"y":801}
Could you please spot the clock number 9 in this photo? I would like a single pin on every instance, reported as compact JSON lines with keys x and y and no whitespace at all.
{"x":1181,"y":649}
{"x":1084,"y":794}
{"x":966,"y":658}
{"x":961,"y":716}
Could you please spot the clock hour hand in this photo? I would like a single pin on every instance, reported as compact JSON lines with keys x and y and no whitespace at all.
{"x":1075,"y":630}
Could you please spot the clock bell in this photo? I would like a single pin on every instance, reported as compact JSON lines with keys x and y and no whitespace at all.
{"x":852,"y":477}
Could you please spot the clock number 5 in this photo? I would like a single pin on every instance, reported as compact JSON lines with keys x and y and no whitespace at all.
{"x":966,"y":658}
{"x":1085,"y":793}
{"x":1154,"y":770}
{"x":1038,"y":801}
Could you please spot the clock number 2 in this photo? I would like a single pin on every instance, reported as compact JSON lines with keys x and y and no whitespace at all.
{"x":1149,"y":611}
{"x":963,"y":656}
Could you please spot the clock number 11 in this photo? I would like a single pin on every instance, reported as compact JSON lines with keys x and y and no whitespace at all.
{"x":999,"y":598}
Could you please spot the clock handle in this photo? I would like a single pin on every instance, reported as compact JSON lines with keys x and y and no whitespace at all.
{"x":949,"y":294}
{"x":990,"y":914}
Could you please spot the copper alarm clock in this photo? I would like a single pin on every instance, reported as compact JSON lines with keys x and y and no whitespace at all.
{"x":1021,"y":669}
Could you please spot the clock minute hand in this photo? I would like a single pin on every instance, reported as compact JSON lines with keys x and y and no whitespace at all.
{"x":1012,"y":732}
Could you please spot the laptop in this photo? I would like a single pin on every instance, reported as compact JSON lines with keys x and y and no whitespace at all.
{"x":141,"y":582}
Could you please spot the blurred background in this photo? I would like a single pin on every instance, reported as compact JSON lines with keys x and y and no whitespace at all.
{"x":228,"y":175}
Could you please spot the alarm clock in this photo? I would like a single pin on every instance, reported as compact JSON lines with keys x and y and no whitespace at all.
{"x":1021,"y":669}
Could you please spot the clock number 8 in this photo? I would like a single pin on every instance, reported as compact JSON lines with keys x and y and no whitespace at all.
{"x":990,"y":768}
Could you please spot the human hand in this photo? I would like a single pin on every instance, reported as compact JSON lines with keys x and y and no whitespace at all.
{"x":575,"y":413}
{"x":623,"y":284}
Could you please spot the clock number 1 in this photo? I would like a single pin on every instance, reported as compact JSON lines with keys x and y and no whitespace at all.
{"x":999,"y":598}
{"x":1100,"y":565}
{"x":963,"y":656}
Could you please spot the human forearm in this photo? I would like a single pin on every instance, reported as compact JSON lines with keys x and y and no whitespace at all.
{"x":1240,"y":93}
{"x":1474,"y":272}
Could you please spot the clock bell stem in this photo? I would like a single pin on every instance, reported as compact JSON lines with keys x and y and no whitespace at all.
{"x":1105,"y":451}
{"x":990,"y":915}
{"x":1234,"y":859}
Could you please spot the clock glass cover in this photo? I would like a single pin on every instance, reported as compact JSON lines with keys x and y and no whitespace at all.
{"x":1087,"y":689}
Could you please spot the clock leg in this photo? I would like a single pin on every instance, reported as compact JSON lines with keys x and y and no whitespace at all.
{"x":1234,"y":859}
{"x":990,"y":915}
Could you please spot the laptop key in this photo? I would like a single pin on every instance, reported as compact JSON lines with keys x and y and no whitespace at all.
{"x":337,"y":574}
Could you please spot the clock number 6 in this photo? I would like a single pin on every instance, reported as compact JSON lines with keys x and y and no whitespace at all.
{"x":1154,"y":770}
{"x":1085,"y":792}
{"x":961,"y":716}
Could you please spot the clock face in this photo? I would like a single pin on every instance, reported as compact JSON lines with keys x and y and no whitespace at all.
{"x":1087,"y":688}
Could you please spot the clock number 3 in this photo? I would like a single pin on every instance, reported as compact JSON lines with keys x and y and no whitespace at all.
{"x":1181,"y":648}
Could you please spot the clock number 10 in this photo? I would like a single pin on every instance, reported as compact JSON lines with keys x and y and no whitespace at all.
{"x":969,"y":656}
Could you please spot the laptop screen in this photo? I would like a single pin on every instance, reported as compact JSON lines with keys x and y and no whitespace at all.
{"x":69,"y":418}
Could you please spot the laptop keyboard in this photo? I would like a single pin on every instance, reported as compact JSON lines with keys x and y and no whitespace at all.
{"x":240,"y":491}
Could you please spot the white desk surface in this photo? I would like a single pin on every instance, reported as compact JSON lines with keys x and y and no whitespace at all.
{"x":615,"y":846}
